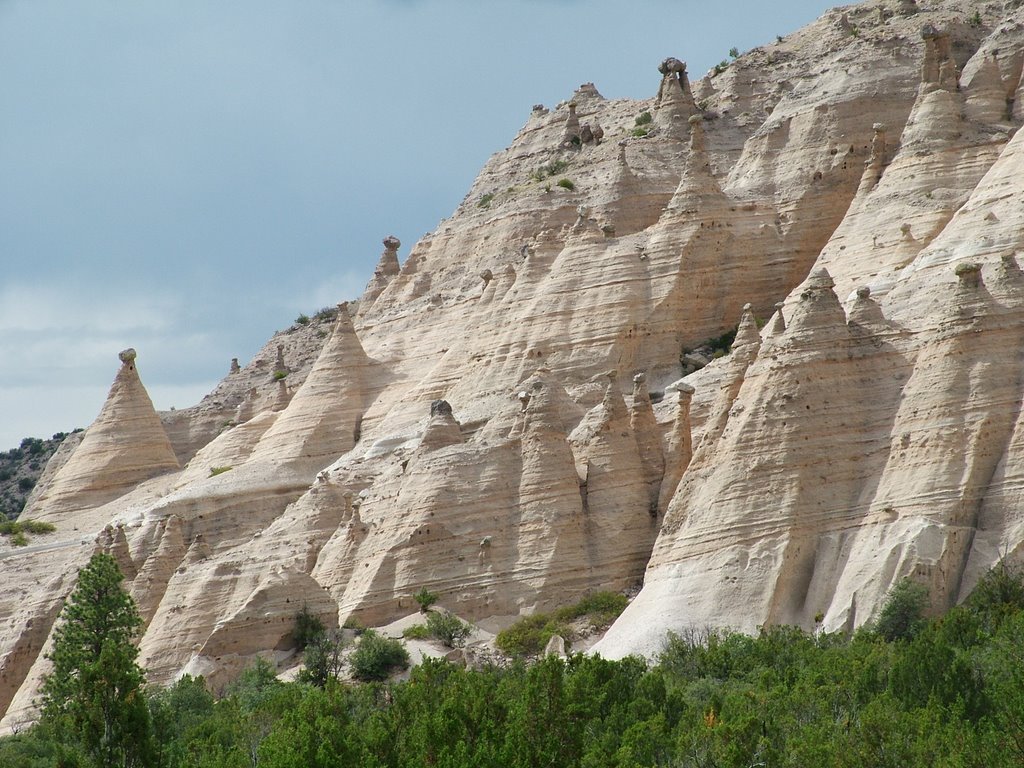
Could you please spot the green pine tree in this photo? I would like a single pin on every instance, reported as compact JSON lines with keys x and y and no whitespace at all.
{"x":93,"y":699}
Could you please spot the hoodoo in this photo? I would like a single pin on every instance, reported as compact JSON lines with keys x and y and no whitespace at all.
{"x":124,"y":446}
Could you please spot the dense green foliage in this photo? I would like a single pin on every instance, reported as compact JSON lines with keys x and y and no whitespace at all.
{"x":376,"y":657}
{"x":93,"y":700}
{"x":902,"y":616}
{"x":20,"y":469}
{"x":448,"y":628}
{"x":308,"y":627}
{"x":425,"y":598}
{"x":17,"y":530}
{"x":322,"y":661}
{"x":416,"y":632}
{"x":529,"y":636}
{"x":951,"y":695}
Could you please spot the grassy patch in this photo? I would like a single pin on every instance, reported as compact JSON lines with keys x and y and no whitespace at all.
{"x":549,"y":170}
{"x":642,"y":125}
{"x":529,"y":636}
{"x":325,"y":313}
{"x":17,"y":530}
{"x":416,"y":632}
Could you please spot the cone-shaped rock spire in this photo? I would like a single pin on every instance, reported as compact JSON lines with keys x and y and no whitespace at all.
{"x":387,"y":268}
{"x":124,"y":446}
{"x":648,"y":439}
{"x":674,"y":104}
{"x":698,"y":190}
{"x":550,"y":505}
{"x":322,"y":419}
{"x":442,"y":429}
{"x":679,"y":450}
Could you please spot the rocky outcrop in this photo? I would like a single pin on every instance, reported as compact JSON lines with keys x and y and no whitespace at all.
{"x":387,"y":268}
{"x":505,"y":420}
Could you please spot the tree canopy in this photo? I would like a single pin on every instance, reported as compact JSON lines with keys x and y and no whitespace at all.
{"x":948,"y":694}
{"x":93,"y":700}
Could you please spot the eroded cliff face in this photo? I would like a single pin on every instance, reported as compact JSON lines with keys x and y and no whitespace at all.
{"x":500,"y":418}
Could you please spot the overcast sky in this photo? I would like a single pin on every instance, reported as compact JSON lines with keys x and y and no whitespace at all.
{"x":186,"y":177}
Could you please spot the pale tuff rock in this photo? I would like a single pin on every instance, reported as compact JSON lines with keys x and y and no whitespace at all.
{"x":252,"y":389}
{"x":901,"y":205}
{"x":786,"y":467}
{"x":124,"y":446}
{"x":799,"y":474}
{"x":732,"y":377}
{"x":747,"y":334}
{"x":282,"y":397}
{"x":247,"y":408}
{"x":250,"y":589}
{"x":698,"y":190}
{"x":442,"y":429}
{"x":587,"y":91}
{"x":550,"y":503}
{"x":986,"y":99}
{"x":778,"y":323}
{"x":614,"y":486}
{"x":115,"y":544}
{"x":229,"y":449}
{"x":648,"y":439}
{"x":678,"y":448}
{"x":927,"y":525}
{"x":387,"y":268}
{"x":322,"y":420}
{"x":938,"y":67}
{"x":1000,"y":525}
{"x":674,"y":104}
{"x":147,"y":588}
{"x":555,"y":646}
{"x":457,"y":545}
{"x":30,"y":609}
{"x":876,"y":162}
{"x":571,"y":132}
{"x":865,"y":315}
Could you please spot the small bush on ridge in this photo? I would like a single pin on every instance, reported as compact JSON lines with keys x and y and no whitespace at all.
{"x":376,"y":657}
{"x":449,"y":629}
